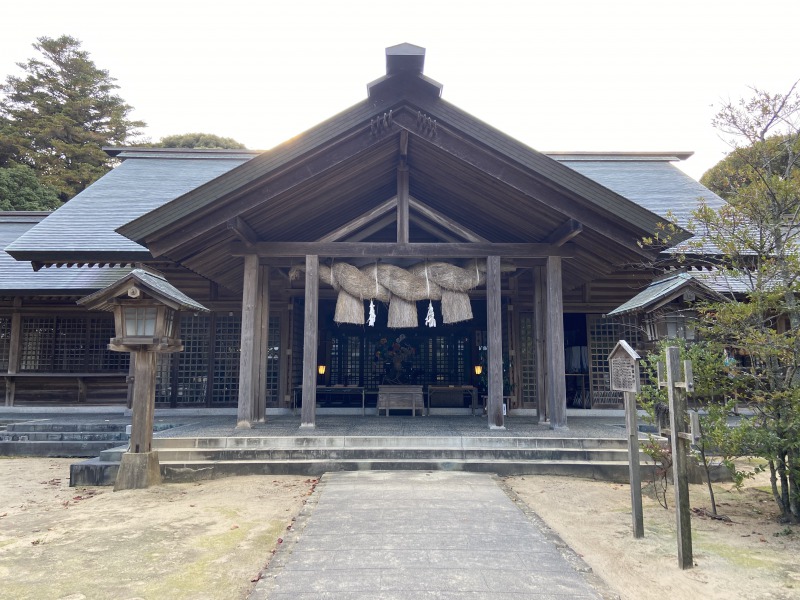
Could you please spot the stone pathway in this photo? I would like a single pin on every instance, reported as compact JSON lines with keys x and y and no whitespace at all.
{"x":407,"y":535}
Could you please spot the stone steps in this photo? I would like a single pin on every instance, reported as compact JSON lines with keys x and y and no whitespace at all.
{"x":60,"y":439}
{"x":190,"y":459}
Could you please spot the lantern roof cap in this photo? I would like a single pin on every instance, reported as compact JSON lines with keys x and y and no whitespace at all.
{"x":151,"y":282}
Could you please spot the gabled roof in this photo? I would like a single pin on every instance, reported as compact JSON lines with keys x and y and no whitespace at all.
{"x":18,"y":277}
{"x":459,"y":167}
{"x":665,"y":290}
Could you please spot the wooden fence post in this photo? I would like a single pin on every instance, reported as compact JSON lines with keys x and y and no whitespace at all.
{"x":680,"y":445}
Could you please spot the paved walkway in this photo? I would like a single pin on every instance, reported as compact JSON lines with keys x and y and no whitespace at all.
{"x":408,"y":535}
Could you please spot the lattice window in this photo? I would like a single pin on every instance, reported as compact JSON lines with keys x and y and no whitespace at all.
{"x":192,"y":375}
{"x":5,"y":342}
{"x":37,"y":343}
{"x":227,"y":340}
{"x":164,"y":377}
{"x":298,"y":337}
{"x":69,"y":345}
{"x":346,"y":353}
{"x":373,"y":370}
{"x":604,"y":333}
{"x":527,"y":358}
{"x":99,"y":358}
{"x":273,"y":360}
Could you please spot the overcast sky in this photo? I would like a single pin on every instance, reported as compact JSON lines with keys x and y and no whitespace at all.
{"x":626,"y":75}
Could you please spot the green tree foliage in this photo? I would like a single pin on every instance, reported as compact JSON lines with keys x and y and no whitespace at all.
{"x":199,"y":140}
{"x":758,"y":234}
{"x":20,"y":189}
{"x":57,"y":117}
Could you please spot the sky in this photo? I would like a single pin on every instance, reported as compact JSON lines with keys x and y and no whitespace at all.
{"x":562,"y":75}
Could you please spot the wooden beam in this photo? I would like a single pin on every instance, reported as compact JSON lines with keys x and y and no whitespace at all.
{"x":433,"y":229}
{"x":570,"y":204}
{"x":411,"y":250}
{"x":308,"y":413}
{"x":371,"y":215}
{"x":372,"y":228}
{"x":565,"y":232}
{"x":242,"y":229}
{"x":494,"y":334}
{"x":256,"y":192}
{"x":445,"y":222}
{"x":14,"y":354}
{"x":402,"y":204}
{"x":554,"y":326}
{"x":403,"y":145}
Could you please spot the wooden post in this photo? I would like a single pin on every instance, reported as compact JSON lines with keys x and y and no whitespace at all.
{"x":14,"y":356}
{"x":248,"y":355}
{"x":494,"y":343}
{"x":680,"y":446}
{"x":261,"y":347}
{"x":554,"y":325}
{"x":539,"y":309}
{"x":139,"y":466}
{"x":624,"y":367}
{"x":310,"y":329}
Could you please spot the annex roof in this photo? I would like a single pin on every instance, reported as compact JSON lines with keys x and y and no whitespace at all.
{"x":83,"y":229}
{"x":665,"y":290}
{"x":18,"y":277}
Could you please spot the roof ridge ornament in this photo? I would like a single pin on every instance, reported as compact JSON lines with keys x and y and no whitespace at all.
{"x":381,"y":123}
{"x":426,"y":124}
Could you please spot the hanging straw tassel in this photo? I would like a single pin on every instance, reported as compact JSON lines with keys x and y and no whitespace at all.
{"x":430,"y":319}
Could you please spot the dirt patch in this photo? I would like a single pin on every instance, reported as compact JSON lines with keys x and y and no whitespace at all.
{"x":752,"y":556}
{"x":203,"y":540}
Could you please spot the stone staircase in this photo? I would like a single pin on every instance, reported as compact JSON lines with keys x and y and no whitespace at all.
{"x":191,"y":459}
{"x":44,"y":437}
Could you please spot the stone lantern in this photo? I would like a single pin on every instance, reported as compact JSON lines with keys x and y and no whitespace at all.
{"x":146,"y":322}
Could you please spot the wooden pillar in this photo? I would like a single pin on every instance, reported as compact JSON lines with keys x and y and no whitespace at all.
{"x":248,"y":356}
{"x":539,"y":309}
{"x":144,"y":398}
{"x":494,"y":334}
{"x":14,"y":354}
{"x":308,"y":413}
{"x":554,"y":331}
{"x":261,"y":347}
{"x":139,"y":466}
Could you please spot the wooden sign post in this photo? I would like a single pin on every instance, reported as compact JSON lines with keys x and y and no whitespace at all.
{"x":680,"y":445}
{"x":624,"y":364}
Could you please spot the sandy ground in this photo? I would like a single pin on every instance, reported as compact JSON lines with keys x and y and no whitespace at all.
{"x":198,"y":540}
{"x":209,"y":540}
{"x":752,"y":556}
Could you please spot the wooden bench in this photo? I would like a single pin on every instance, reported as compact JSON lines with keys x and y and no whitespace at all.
{"x":80,"y":379}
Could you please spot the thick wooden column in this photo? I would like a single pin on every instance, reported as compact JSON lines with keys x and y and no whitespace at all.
{"x":15,"y":351}
{"x":262,"y":346}
{"x":554,"y":329}
{"x":494,"y":334}
{"x":249,"y":351}
{"x":308,"y":413}
{"x":539,"y":311}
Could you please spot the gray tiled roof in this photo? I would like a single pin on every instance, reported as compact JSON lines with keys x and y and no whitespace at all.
{"x":144,"y":181}
{"x":649,"y":180}
{"x":19,"y":277}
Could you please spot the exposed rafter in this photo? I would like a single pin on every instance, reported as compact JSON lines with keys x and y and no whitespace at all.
{"x":565,"y":232}
{"x":347,"y":229}
{"x":243,"y":230}
{"x":445,"y":222}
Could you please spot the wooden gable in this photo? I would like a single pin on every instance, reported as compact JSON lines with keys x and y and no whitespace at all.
{"x":402,"y":161}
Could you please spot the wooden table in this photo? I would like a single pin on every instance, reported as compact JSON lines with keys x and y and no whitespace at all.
{"x":408,"y":397}
{"x":453,"y":395}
